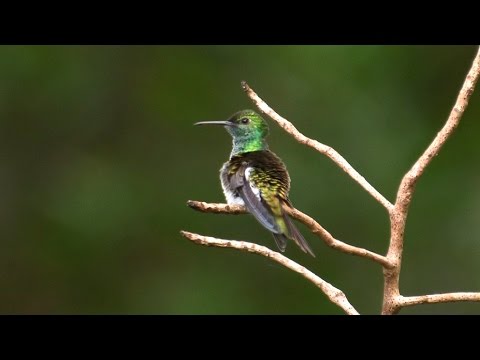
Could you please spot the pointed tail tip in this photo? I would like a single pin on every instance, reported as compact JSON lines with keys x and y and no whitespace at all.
{"x":303,"y":244}
{"x":297,"y":236}
{"x":309,"y":251}
{"x":282,"y":239}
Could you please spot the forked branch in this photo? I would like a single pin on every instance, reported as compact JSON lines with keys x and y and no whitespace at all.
{"x":398,"y":216}
{"x":393,"y":301}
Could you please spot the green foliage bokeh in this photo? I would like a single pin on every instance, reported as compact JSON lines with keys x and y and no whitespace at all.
{"x":98,"y":157}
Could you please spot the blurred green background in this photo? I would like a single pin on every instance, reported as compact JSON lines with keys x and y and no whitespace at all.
{"x":99,"y":156}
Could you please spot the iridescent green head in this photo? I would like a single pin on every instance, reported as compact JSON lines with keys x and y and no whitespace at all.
{"x":248,"y":130}
{"x":247,"y":124}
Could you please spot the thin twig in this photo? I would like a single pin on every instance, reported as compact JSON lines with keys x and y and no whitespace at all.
{"x":321,"y":148}
{"x":335,"y":295}
{"x":437,"y":298}
{"x":398,"y":215}
{"x":315,"y":227}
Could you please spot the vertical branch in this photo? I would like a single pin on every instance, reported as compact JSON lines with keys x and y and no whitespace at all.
{"x":398,"y":216}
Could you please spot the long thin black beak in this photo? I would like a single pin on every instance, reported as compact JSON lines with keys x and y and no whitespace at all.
{"x":224,"y":123}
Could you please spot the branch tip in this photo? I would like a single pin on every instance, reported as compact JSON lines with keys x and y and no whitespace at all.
{"x":185,"y":233}
{"x":244,"y":85}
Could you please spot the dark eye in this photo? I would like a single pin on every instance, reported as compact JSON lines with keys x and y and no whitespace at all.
{"x":245,"y":120}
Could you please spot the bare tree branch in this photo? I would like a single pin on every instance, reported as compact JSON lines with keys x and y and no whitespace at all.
{"x":393,"y":301}
{"x":315,"y":227}
{"x":335,"y":295}
{"x":398,"y":215}
{"x":438,"y":298}
{"x":321,"y":148}
{"x":216,"y":208}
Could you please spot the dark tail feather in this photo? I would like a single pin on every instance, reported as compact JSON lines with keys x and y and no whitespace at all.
{"x":281,"y":241}
{"x":296,"y":236}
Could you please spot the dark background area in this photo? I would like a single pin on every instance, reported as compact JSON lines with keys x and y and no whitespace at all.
{"x":98,"y":157}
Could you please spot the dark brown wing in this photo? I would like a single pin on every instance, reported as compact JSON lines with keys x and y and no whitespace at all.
{"x":262,"y":181}
{"x":254,"y":203}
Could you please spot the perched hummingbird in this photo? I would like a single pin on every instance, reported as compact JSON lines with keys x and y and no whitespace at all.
{"x":257,"y":178}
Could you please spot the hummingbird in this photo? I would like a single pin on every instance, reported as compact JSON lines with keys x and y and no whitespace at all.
{"x":257,"y":178}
